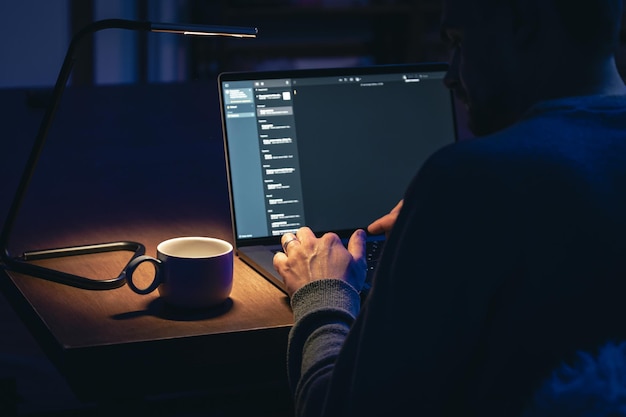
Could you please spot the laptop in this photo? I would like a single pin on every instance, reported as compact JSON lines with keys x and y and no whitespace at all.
{"x":332,"y":149}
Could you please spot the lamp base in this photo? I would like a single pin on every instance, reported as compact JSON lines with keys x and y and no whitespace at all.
{"x":22,"y":264}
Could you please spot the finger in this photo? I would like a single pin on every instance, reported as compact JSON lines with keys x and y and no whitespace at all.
{"x":288,"y":239}
{"x":304,"y":234}
{"x":382,"y":225}
{"x":398,"y":207}
{"x":291,"y":242}
{"x":386,"y":222}
{"x":356,"y":245}
{"x":377,"y":226}
{"x":279,"y":259}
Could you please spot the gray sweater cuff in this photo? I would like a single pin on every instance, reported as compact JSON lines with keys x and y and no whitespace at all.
{"x":323,"y":294}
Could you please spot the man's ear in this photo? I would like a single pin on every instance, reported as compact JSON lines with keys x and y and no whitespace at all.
{"x":526,"y":21}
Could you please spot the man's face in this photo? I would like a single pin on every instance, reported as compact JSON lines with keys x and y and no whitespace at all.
{"x":483,"y":67}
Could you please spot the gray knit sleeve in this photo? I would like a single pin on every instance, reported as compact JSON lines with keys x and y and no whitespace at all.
{"x":323,"y":311}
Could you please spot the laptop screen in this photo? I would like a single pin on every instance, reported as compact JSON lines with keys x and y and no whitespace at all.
{"x":330,"y":149}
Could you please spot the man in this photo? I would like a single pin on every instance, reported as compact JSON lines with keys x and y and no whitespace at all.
{"x":507,"y":255}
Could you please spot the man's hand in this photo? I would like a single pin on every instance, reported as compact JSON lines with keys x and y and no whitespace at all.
{"x":307,"y":258}
{"x":385,"y":223}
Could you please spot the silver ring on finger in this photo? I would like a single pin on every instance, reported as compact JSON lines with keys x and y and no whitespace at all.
{"x":287,"y":242}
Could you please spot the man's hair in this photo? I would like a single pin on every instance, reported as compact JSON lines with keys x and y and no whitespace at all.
{"x":592,"y":24}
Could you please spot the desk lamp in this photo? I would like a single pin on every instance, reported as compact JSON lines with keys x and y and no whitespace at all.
{"x":22,"y":263}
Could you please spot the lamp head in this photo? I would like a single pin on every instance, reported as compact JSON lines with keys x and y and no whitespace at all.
{"x":204,"y":30}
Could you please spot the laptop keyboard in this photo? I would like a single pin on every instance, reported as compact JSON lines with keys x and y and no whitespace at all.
{"x":373,"y":249}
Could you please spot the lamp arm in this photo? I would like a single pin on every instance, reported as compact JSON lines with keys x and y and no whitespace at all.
{"x":59,"y":87}
{"x":46,"y":122}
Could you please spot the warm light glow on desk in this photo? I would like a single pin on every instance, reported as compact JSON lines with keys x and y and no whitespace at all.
{"x":21,"y":263}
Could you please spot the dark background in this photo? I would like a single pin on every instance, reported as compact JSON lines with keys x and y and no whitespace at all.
{"x":33,"y":40}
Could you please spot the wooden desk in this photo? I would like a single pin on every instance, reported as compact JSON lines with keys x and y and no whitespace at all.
{"x":140,"y":163}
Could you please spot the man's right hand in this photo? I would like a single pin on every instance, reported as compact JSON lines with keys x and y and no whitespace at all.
{"x":385,"y":223}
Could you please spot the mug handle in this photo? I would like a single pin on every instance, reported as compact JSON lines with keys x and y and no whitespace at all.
{"x":130,"y":269}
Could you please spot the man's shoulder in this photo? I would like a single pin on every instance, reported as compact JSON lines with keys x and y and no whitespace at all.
{"x":549,"y":130}
{"x":479,"y":153}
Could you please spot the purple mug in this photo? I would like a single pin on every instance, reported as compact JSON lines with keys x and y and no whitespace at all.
{"x":190,"y":272}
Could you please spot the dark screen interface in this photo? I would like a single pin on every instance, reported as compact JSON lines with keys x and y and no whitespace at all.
{"x":331,"y":153}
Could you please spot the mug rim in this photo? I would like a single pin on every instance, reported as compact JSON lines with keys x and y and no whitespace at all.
{"x":228,"y":247}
